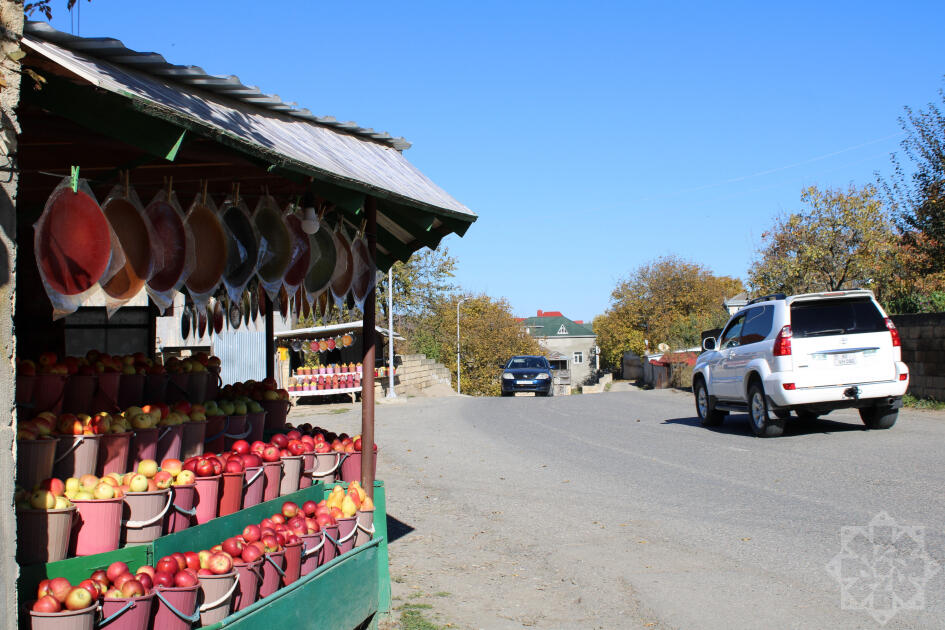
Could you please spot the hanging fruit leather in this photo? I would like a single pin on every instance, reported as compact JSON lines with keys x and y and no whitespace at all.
{"x":344,"y":268}
{"x":300,"y":256}
{"x":210,"y":247}
{"x":242,"y":247}
{"x":173,"y":247}
{"x":322,"y":258}
{"x":276,"y":244}
{"x":131,"y":225}
{"x":365,"y":272}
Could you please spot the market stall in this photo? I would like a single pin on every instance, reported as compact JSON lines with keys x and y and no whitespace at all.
{"x":142,"y":177}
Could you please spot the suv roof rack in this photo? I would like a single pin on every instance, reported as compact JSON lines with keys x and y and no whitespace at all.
{"x":766,"y":298}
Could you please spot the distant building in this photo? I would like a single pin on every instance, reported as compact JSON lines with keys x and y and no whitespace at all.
{"x":569,"y":345}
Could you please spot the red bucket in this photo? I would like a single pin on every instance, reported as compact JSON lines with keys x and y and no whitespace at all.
{"x":293,"y":563}
{"x":43,"y":535}
{"x":311,"y":552}
{"x":231,"y":493}
{"x":176,"y":607}
{"x":176,"y":389}
{"x":144,"y":446}
{"x":308,"y":467}
{"x":248,"y":590}
{"x":192,"y":439}
{"x":208,"y":498}
{"x":182,"y":512}
{"x":197,"y":386}
{"x":291,"y":473}
{"x":351,"y":467}
{"x":98,"y":527}
{"x":34,"y":461}
{"x":257,"y":424}
{"x":78,"y":393}
{"x":155,"y":388}
{"x":272,"y":471}
{"x":113,"y":451}
{"x":253,"y":486}
{"x":170,"y":442}
{"x":130,"y":390}
{"x":76,"y":455}
{"x":330,"y":548}
{"x":273,"y":568}
{"x":236,"y":429}
{"x":127,"y":613}
{"x":65,"y":620}
{"x":106,"y":396}
{"x":48,"y":392}
{"x":276,"y":412}
{"x":214,"y":440}
{"x":347,"y":528}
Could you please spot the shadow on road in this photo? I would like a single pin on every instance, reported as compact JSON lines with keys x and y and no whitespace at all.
{"x":396,"y":529}
{"x":738,"y":425}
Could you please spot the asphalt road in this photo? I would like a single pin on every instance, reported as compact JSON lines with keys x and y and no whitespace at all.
{"x":619,"y":511}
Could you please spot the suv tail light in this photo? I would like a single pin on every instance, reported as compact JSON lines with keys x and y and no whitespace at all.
{"x":782,"y":343}
{"x":894,"y":332}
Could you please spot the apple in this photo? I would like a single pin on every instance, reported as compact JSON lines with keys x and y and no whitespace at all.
{"x":280,"y":440}
{"x":139,"y":483}
{"x":233,"y":546}
{"x":289,"y":509}
{"x":42,"y":500}
{"x":221,"y":563}
{"x":251,"y":533}
{"x":164,"y":578}
{"x":271,"y":543}
{"x":53,"y":485}
{"x":46,"y":604}
{"x":250,"y":553}
{"x":113,"y":593}
{"x":146,"y":582}
{"x":163,"y":479}
{"x":217,"y":464}
{"x":277,"y":519}
{"x":104,"y":491}
{"x":115,"y":569}
{"x":78,"y":599}
{"x":296,"y":447}
{"x":241,"y":447}
{"x":251,"y":460}
{"x":234,"y":465}
{"x":204,"y":558}
{"x":100,"y":576}
{"x":193,"y":559}
{"x":204,"y":468}
{"x":184,"y":579}
{"x":309,"y":507}
{"x":167,"y":564}
{"x":172,"y":466}
{"x":91,"y":586}
{"x":110,"y":480}
{"x":271,"y":453}
{"x":145,"y":569}
{"x":119,"y":581}
{"x":185,"y":478}
{"x":181,"y":560}
{"x":147,"y":467}
{"x":257,"y":447}
{"x":132,"y":588}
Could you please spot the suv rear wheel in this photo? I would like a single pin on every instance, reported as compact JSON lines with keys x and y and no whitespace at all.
{"x":762,"y":422}
{"x":879,"y":417}
{"x":708,"y":416}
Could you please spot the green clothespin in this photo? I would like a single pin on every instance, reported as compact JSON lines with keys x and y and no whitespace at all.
{"x":75,"y":179}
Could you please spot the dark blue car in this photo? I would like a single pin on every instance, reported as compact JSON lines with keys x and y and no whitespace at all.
{"x":527,"y":374}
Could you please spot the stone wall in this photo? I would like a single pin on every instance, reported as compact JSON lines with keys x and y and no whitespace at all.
{"x":923,"y":350}
{"x":416,"y":373}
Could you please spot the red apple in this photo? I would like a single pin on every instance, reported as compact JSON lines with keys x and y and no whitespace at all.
{"x":165,"y":578}
{"x":91,"y":586}
{"x":100,"y":576}
{"x":278,"y":519}
{"x":290,"y":509}
{"x":271,"y":453}
{"x":234,"y":466}
{"x":251,"y":533}
{"x":257,"y":447}
{"x":204,"y":572}
{"x":181,"y":560}
{"x":167,"y":564}
{"x":78,"y":599}
{"x":59,"y":588}
{"x":251,"y":460}
{"x":47,"y":604}
{"x":241,"y":446}
{"x":183,"y":578}
{"x":233,"y":546}
{"x":308,"y":508}
{"x":119,"y":581}
{"x":250,"y":553}
{"x":204,"y":468}
{"x":115,"y":569}
{"x":132,"y":588}
{"x":146,"y":582}
{"x":296,"y":447}
{"x":192,"y":559}
{"x":279,"y":440}
{"x":221,"y":563}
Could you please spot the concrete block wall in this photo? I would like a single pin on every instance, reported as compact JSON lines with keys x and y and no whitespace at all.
{"x":923,"y":350}
{"x":416,"y":373}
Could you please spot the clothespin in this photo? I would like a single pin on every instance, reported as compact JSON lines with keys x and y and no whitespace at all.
{"x":75,"y":179}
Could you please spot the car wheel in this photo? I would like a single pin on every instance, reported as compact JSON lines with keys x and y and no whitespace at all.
{"x":879,"y":417}
{"x":762,"y":422}
{"x":708,"y":416}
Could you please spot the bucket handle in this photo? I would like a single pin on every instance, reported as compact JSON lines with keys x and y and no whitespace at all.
{"x":339,"y":458}
{"x":333,"y":541}
{"x":348,"y":536}
{"x":191,"y":618}
{"x":190,"y":512}
{"x":275,"y":564}
{"x":249,"y":429}
{"x":247,"y":484}
{"x":369,"y":532}
{"x":163,"y":433}
{"x":151,"y":521}
{"x":229,"y":594}
{"x":215,"y":437}
{"x":308,"y":552}
{"x":75,"y":445}
{"x":118,"y":613}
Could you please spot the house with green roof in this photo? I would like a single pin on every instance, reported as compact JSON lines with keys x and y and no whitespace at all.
{"x":569,"y":345}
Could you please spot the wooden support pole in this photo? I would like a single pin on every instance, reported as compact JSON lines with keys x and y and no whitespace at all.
{"x":270,"y":340}
{"x":368,"y":343}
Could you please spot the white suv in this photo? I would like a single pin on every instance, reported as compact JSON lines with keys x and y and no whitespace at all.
{"x":809,"y":354}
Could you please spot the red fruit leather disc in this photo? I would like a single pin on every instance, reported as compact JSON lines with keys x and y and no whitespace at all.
{"x":132,"y":233}
{"x":171,"y":234}
{"x":298,"y":265}
{"x":218,"y":317}
{"x":211,"y":248}
{"x":74,"y":243}
{"x":262,"y":300}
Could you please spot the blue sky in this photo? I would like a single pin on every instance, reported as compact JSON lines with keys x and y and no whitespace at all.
{"x":590,"y":137}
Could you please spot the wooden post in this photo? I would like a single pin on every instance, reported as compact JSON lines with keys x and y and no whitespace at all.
{"x":270,"y":340}
{"x":368,"y":343}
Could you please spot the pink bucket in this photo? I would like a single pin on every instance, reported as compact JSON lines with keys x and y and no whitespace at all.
{"x":248,"y":590}
{"x":76,"y":455}
{"x":144,"y":445}
{"x":351,"y":467}
{"x":308,"y":467}
{"x":291,"y":473}
{"x":78,"y":392}
{"x":155,"y":388}
{"x":177,"y":388}
{"x":144,"y":515}
{"x":106,"y":396}
{"x":113,"y":449}
{"x":347,"y":528}
{"x":43,"y":535}
{"x":217,"y":597}
{"x":208,"y":498}
{"x":293,"y":563}
{"x":327,"y":467}
{"x":197,"y":386}
{"x":176,"y":607}
{"x":272,"y":471}
{"x":236,"y":429}
{"x":34,"y":461}
{"x":65,"y":620}
{"x":311,"y":552}
{"x":47,"y":393}
{"x":127,"y":613}
{"x":365,"y":527}
{"x":98,"y":527}
{"x":231,"y":493}
{"x":182,"y":512}
{"x":24,"y":388}
{"x":329,"y":549}
{"x":214,"y":440}
{"x":257,"y":423}
{"x":192,"y":439}
{"x":273,"y":568}
{"x":254,"y":483}
{"x":170,"y":442}
{"x":130,"y":390}
{"x":276,"y":412}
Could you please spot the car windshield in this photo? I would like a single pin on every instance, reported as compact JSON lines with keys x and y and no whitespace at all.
{"x":527,"y":362}
{"x":836,"y":317}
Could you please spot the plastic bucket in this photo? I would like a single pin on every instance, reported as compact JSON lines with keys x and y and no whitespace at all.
{"x":98,"y":526}
{"x":231,"y":493}
{"x":78,"y":392}
{"x":176,"y":388}
{"x":213,"y":383}
{"x":182,"y":511}
{"x":192,"y":439}
{"x":311,"y":552}
{"x":276,"y":412}
{"x":254,"y":483}
{"x":218,"y":594}
{"x":365,"y":527}
{"x":326,"y":467}
{"x":143,"y":516}
{"x":272,"y":471}
{"x":291,"y":472}
{"x":293,"y":563}
{"x":43,"y":535}
{"x":47,"y":393}
{"x":155,"y":388}
{"x":113,"y":449}
{"x":34,"y":461}
{"x":236,"y":429}
{"x":144,"y":445}
{"x":347,"y":528}
{"x":126,"y":613}
{"x":197,"y":386}
{"x":248,"y":590}
{"x":214,"y":440}
{"x":257,"y":425}
{"x":308,"y":467}
{"x":66,"y":620}
{"x":176,"y":607}
{"x":106,"y":396}
{"x":25,"y":384}
{"x":76,"y":455}
{"x":273,"y":568}
{"x":130,"y":390}
{"x":208,"y":498}
{"x":330,"y":548}
{"x":351,"y":467}
{"x":170,"y":442}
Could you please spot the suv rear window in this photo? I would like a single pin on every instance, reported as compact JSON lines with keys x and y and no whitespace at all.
{"x":836,"y":317}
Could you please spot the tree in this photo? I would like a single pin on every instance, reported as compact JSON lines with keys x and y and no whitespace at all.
{"x":844,"y":239}
{"x":418,"y":283}
{"x":668,"y":300}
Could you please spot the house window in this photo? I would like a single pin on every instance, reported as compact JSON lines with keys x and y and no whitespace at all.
{"x":562,"y":330}
{"x":578,"y":357}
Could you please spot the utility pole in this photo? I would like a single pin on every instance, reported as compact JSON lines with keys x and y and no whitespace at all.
{"x":390,"y":333}
{"x":458,"y":387}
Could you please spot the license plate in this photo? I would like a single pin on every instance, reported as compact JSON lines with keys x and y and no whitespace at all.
{"x":524,"y":382}
{"x":844,"y":359}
